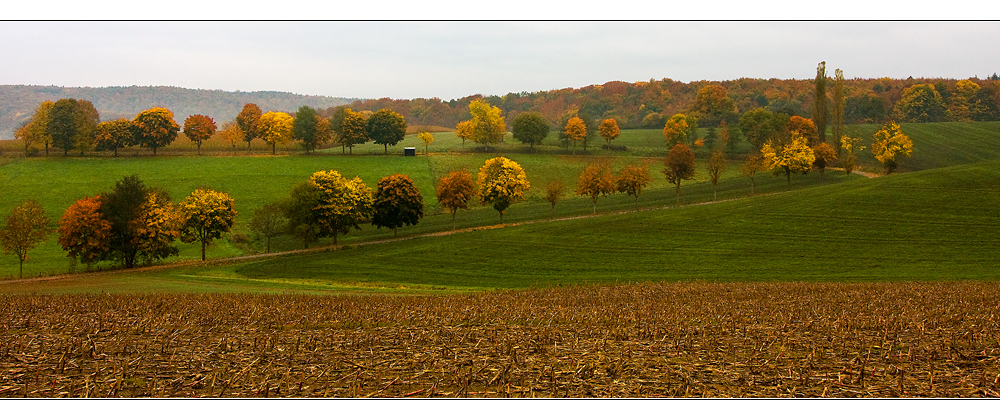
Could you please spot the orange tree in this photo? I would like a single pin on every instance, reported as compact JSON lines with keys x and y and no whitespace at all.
{"x":247,"y":122}
{"x":84,"y":232}
{"x":454,"y":192}
{"x":205,"y":215}
{"x":609,"y":130}
{"x":113,"y":135}
{"x":677,"y":129}
{"x":155,"y":128}
{"x":632,"y":179}
{"x":397,"y":202}
{"x":502,"y":182}
{"x":554,"y":190}
{"x":575,"y":131}
{"x":754,"y":163}
{"x":716,"y":165}
{"x":26,"y":227}
{"x":678,"y":166}
{"x":803,"y":127}
{"x":825,"y":155}
{"x":596,"y":180}
{"x":143,"y":223}
{"x":199,"y":128}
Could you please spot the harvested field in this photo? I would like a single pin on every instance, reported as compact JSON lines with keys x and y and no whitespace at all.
{"x":639,"y":340}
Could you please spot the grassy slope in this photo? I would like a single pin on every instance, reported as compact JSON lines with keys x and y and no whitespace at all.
{"x":930,"y":225}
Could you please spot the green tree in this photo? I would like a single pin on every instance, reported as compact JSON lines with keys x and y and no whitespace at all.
{"x":299,"y":211}
{"x":342,"y":203}
{"x":454,"y":191}
{"x":716,"y":166}
{"x":63,"y":125}
{"x":247,"y":121}
{"x":596,"y":180}
{"x":87,"y":119}
{"x":26,"y":227}
{"x":819,"y":101}
{"x":199,"y":128}
{"x":530,"y":128}
{"x":502,"y":182}
{"x":268,"y":221}
{"x":837,"y":113}
{"x":114,"y":135}
{"x":760,"y":125}
{"x":304,"y":128}
{"x":143,"y":222}
{"x":488,"y":126}
{"x":397,"y":202}
{"x":205,"y":215}
{"x":275,"y":127}
{"x":387,"y":128}
{"x":678,"y":166}
{"x":921,"y":103}
{"x":155,"y":128}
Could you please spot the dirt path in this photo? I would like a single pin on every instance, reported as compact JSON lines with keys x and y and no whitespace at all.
{"x":242,"y":258}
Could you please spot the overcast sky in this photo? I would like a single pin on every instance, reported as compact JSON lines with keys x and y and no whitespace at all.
{"x":456,"y":59}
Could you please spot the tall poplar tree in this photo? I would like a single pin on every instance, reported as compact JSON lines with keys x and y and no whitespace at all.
{"x":819,"y":105}
{"x":838,"y":107}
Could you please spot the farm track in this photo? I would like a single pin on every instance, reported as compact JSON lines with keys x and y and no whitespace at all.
{"x":934,"y":339}
{"x":243,"y":258}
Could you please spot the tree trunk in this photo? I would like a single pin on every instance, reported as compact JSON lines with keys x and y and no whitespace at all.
{"x":334,"y":237}
{"x":678,"y":193}
{"x":595,"y":204}
{"x":715,"y":193}
{"x":203,"y":250}
{"x":788,"y":177}
{"x":199,"y":149}
{"x":753,"y":184}
{"x":273,"y":146}
{"x":394,"y":231}
{"x":501,"y":217}
{"x":453,"y":218}
{"x":636,"y":202}
{"x":268,"y":245}
{"x":20,"y":274}
{"x":386,"y":148}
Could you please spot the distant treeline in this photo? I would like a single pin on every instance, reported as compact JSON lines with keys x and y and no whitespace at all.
{"x":649,"y":104}
{"x":18,"y":102}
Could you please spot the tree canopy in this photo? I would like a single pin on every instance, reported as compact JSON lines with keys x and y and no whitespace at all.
{"x":199,"y":128}
{"x":341,"y":203}
{"x":488,"y":126}
{"x":678,"y":166}
{"x":596,"y":180}
{"x":530,"y":128}
{"x":275,"y":127}
{"x":454,"y":191}
{"x":397,"y":202}
{"x":386,"y":127}
{"x":26,"y":226}
{"x":205,"y":215}
{"x":155,"y":128}
{"x":502,"y":182}
{"x":889,"y":144}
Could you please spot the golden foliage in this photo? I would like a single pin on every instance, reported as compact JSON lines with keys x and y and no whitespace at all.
{"x":851,"y":148}
{"x":275,"y":127}
{"x":83,"y":231}
{"x":454,"y":192}
{"x":502,"y":182}
{"x":794,"y":157}
{"x":205,"y":215}
{"x":26,"y":227}
{"x":609,"y":130}
{"x":596,"y":180}
{"x":488,"y":126}
{"x":676,"y":129}
{"x":632,"y":179}
{"x":342,"y":203}
{"x":889,"y":144}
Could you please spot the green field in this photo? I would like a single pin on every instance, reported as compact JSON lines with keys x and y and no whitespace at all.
{"x":921,"y":225}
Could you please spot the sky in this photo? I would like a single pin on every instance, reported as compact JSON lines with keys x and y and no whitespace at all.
{"x":454,"y":59}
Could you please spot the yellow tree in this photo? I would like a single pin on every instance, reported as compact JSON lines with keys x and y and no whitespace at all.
{"x":851,"y":148}
{"x":341,"y":203}
{"x":427,"y":138}
{"x":454,"y":192}
{"x":36,"y":131}
{"x":609,"y":130}
{"x":156,"y":228}
{"x":575,"y":131}
{"x":960,"y":103}
{"x":155,"y":128}
{"x":632,"y":179}
{"x":275,"y":127}
{"x":114,"y":135}
{"x":26,"y":227}
{"x":596,"y":180}
{"x":232,"y":133}
{"x":676,"y":129}
{"x":464,"y":130}
{"x":502,"y":182}
{"x":84,"y":232}
{"x":890,"y":144}
{"x":678,"y":166}
{"x":488,"y":126}
{"x":205,"y":215}
{"x":716,"y":166}
{"x":794,"y":157}
{"x":554,"y":190}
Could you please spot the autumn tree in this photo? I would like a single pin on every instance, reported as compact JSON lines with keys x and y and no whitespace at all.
{"x":84,"y":232}
{"x":199,"y":128}
{"x":37,"y":129}
{"x":755,"y":163}
{"x":63,"y":125}
{"x":889,"y":144}
{"x":530,"y":128}
{"x":353,"y":129}
{"x":502,"y":182}
{"x":793,"y":157}
{"x":386,"y":127}
{"x":921,"y":103}
{"x":632,"y":179}
{"x":87,"y":120}
{"x":962,"y":101}
{"x":851,"y":148}
{"x":678,"y":166}
{"x":575,"y":131}
{"x":205,"y":215}
{"x":427,"y":138}
{"x":114,"y":135}
{"x":155,"y":128}
{"x":143,"y":221}
{"x":837,"y":114}
{"x":299,"y":208}
{"x":454,"y":192}
{"x":306,"y":128}
{"x":268,"y":221}
{"x":275,"y":127}
{"x":26,"y":227}
{"x":341,"y":203}
{"x":609,"y":130}
{"x":465,"y":131}
{"x":247,"y":121}
{"x":677,"y":130}
{"x":760,"y":125}
{"x":803,"y":127}
{"x":713,"y":104}
{"x":819,"y":101}
{"x":825,"y":155}
{"x":596,"y":180}
{"x":488,"y":126}
{"x":716,"y":166}
{"x":554,"y":191}
{"x":232,"y":134}
{"x":397,"y":202}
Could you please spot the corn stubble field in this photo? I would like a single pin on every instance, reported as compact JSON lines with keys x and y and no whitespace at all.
{"x":933,"y":339}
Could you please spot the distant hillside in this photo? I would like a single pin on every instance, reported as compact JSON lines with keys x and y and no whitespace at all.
{"x":18,"y":102}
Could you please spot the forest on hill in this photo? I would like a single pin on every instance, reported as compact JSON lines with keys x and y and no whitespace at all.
{"x":18,"y":102}
{"x":649,"y":104}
